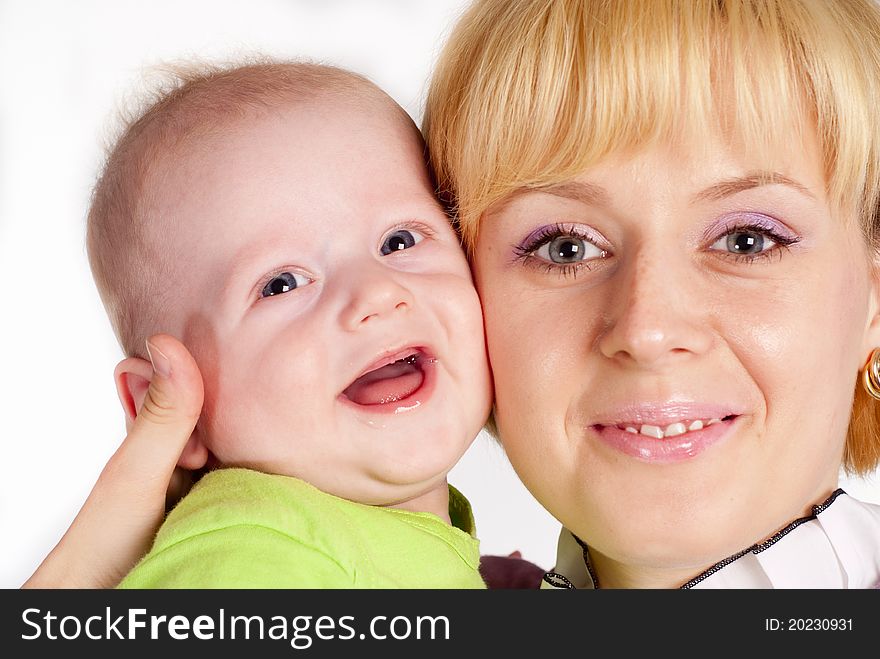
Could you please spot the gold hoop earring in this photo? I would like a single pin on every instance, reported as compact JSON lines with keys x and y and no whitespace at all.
{"x":871,"y":375}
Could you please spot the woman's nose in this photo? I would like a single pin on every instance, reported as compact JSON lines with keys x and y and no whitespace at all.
{"x":373,"y":293}
{"x":657,"y":314}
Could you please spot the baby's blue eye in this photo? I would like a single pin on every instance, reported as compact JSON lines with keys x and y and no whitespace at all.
{"x":284,"y":282}
{"x":400,"y":239}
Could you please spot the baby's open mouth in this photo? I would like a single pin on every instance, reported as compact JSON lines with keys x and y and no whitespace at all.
{"x":393,"y":381}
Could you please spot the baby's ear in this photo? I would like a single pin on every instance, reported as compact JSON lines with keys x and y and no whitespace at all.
{"x":133,"y":376}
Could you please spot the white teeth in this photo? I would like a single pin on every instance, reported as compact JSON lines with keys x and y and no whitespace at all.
{"x":674,"y":429}
{"x":652,"y":431}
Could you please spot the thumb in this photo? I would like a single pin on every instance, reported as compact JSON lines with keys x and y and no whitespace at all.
{"x":116,"y":524}
{"x":168,"y":415}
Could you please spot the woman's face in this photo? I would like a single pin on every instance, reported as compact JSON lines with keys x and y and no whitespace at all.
{"x":675,"y":338}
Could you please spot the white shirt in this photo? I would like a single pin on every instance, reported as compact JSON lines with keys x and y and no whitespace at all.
{"x":838,"y":546}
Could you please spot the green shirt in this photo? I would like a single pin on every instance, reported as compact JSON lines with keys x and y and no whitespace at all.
{"x":239,"y":528}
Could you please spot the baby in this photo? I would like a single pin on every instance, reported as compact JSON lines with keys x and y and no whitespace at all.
{"x":280,"y":220}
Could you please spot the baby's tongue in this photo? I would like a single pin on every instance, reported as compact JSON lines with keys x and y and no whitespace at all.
{"x":387,"y":384}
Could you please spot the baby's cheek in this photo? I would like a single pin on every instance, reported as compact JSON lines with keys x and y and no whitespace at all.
{"x":218,"y":414}
{"x":232,"y":403}
{"x":204,"y":344}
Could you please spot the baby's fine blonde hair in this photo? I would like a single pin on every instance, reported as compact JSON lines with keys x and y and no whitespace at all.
{"x":529,"y":93}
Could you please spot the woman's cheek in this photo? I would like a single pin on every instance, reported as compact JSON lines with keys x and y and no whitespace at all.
{"x":508,"y":341}
{"x":527,"y":355}
{"x":795,"y":342}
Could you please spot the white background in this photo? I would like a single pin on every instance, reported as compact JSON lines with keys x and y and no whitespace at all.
{"x":64,"y":68}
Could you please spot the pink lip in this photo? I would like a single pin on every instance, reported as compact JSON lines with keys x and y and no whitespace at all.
{"x":669,"y":449}
{"x":662,"y":414}
{"x":412,"y":402}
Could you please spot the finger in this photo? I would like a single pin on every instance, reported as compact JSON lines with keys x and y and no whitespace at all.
{"x":115,"y":526}
{"x":167,"y":416}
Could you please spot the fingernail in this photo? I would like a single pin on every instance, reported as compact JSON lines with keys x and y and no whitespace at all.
{"x":161,"y":363}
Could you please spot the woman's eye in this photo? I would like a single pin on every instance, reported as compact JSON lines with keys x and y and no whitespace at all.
{"x":400,"y":239}
{"x":568,"y":249}
{"x":744,"y":242}
{"x":284,"y":282}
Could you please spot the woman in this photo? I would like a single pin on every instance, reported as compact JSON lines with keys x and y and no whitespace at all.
{"x":670,"y":209}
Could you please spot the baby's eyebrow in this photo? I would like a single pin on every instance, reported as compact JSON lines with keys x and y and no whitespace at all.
{"x":241,"y":264}
{"x":731,"y":186}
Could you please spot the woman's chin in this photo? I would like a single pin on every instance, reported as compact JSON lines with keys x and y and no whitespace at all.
{"x":663,"y":540}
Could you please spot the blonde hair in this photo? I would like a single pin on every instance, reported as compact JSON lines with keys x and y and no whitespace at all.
{"x":529,"y":93}
{"x":189,"y":101}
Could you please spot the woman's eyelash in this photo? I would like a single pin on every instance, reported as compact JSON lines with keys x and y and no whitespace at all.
{"x":545,"y":235}
{"x":563,"y":270}
{"x":782,"y":241}
{"x":525,"y":252}
{"x":757,"y":227}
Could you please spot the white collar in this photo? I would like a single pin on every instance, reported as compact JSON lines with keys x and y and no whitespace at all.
{"x":838,"y":546}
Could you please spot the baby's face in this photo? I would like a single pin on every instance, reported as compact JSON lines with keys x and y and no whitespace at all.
{"x":327,"y":301}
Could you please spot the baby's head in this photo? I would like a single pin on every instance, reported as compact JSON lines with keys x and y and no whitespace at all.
{"x":280,"y":220}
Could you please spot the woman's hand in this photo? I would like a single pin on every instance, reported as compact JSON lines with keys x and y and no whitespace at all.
{"x":116,"y":524}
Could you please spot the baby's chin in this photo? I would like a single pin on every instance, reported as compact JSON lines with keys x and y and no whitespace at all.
{"x":383,"y":486}
{"x":382,"y":466}
{"x":389,"y":487}
{"x":430,"y":496}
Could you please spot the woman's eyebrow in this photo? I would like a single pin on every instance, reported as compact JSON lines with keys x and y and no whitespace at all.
{"x":596,"y":195}
{"x":751,"y":180}
{"x":587,"y":193}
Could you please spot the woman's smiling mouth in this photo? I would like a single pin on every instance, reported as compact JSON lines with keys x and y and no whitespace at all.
{"x":673,"y":429}
{"x":665,"y":432}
